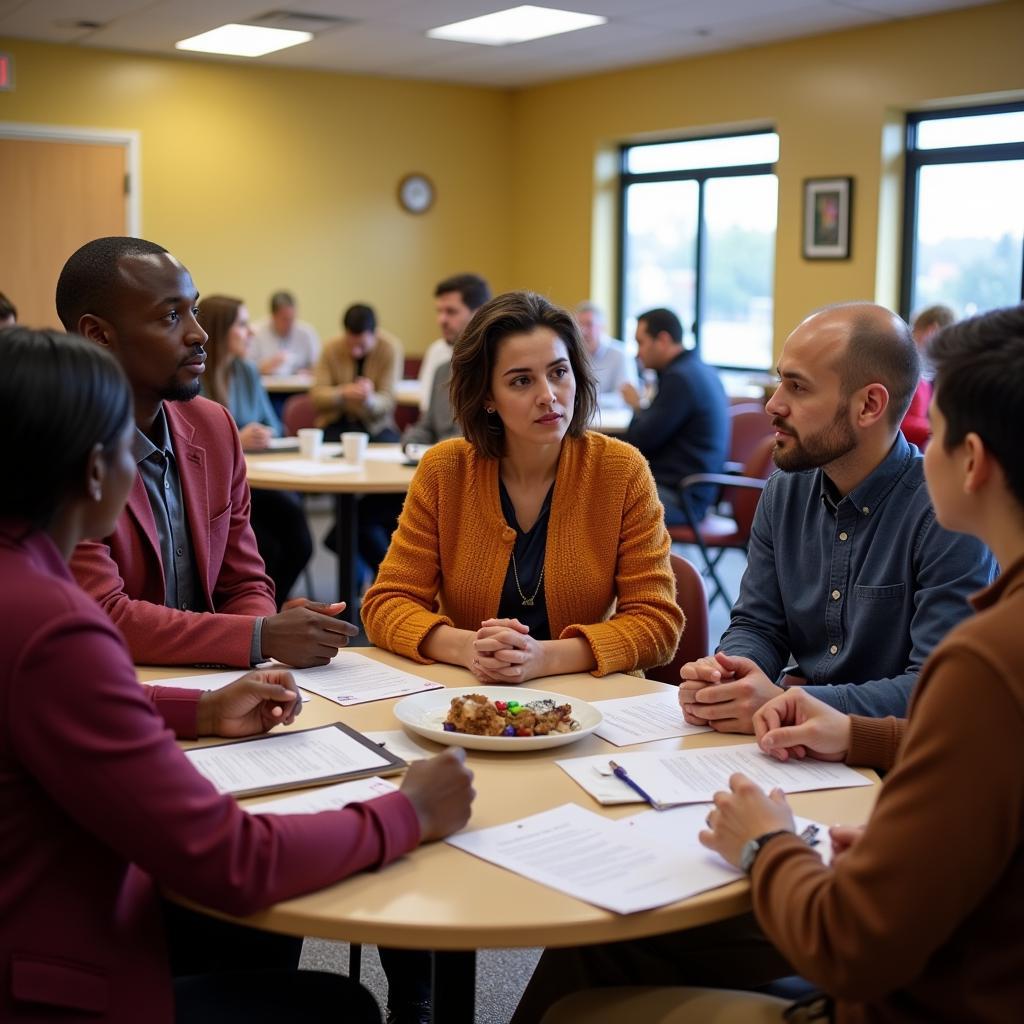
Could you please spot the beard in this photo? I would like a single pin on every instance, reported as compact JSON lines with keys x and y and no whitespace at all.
{"x":177,"y":392}
{"x":826,"y":445}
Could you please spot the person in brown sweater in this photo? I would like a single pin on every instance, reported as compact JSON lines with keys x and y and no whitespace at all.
{"x":920,"y":918}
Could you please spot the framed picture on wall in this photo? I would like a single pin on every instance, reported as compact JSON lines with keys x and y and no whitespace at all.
{"x":827,"y":208}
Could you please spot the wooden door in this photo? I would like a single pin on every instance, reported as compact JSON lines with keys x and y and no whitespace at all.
{"x":54,"y":197}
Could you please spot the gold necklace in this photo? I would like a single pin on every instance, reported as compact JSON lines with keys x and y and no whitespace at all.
{"x":527,"y":601}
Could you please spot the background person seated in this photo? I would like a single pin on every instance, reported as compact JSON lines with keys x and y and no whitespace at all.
{"x":100,"y":807}
{"x":685,"y":429}
{"x":282,"y":344}
{"x":915,"y":426}
{"x":354,"y":383}
{"x":277,"y":517}
{"x":613,"y":366}
{"x":456,"y":299}
{"x":180,"y":575}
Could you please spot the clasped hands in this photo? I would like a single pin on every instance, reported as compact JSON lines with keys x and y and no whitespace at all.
{"x":792,"y":725}
{"x":502,"y":651}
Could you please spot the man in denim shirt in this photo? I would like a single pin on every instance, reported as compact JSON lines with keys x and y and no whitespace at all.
{"x":848,"y":574}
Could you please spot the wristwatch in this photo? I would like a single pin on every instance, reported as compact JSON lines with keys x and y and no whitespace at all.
{"x":753,"y":847}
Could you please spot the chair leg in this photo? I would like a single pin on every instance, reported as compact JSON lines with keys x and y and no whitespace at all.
{"x":709,"y":562}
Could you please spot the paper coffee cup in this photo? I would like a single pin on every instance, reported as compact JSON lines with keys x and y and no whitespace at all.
{"x":310,"y":441}
{"x":353,"y":446}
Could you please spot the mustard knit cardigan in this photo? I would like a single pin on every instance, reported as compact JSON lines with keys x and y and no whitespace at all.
{"x":607,"y":575}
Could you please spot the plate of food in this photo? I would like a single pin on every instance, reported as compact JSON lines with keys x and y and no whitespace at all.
{"x":507,"y":718}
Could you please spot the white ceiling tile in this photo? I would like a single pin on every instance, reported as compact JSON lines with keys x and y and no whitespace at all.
{"x":388,"y":38}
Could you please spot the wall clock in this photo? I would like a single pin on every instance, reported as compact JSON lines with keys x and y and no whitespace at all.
{"x":416,"y":193}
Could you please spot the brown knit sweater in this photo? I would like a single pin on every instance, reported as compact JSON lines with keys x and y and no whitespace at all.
{"x":923,"y":919}
{"x":607,"y":575}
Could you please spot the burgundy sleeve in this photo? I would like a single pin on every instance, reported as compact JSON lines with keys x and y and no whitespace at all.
{"x":84,"y":728}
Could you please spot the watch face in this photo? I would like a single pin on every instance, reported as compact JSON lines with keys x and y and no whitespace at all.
{"x":416,"y":193}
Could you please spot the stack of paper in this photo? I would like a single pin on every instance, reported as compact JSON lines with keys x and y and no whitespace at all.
{"x":330,"y":798}
{"x":651,"y":716}
{"x":208,"y":680}
{"x":352,"y":678}
{"x":694,"y":776}
{"x":306,"y":467}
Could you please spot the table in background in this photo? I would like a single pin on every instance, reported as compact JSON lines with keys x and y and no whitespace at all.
{"x":287,"y":383}
{"x":443,"y":899}
{"x":373,"y":477}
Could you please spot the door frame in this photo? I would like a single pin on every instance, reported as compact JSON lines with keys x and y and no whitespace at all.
{"x":129,"y":140}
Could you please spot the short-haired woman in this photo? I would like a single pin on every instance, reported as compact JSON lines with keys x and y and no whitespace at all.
{"x":533,"y":546}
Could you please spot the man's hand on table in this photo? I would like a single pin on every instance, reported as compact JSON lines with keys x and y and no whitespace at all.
{"x":798,"y":725}
{"x":249,"y":706}
{"x":306,"y":633}
{"x":724,"y":692}
{"x":745,"y":812}
{"x":441,"y":792}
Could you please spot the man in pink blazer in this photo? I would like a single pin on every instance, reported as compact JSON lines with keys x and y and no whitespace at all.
{"x":181,"y":575}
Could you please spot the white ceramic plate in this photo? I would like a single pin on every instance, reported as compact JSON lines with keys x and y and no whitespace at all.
{"x":424,"y":714}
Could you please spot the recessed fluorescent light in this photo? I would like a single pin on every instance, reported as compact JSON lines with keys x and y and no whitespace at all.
{"x":516,"y":25}
{"x":244,"y":40}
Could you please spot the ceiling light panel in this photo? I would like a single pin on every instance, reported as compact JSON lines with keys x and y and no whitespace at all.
{"x":516,"y":25}
{"x":243,"y":40}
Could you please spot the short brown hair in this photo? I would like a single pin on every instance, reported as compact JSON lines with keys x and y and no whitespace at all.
{"x":934,"y":316}
{"x":475,"y":354}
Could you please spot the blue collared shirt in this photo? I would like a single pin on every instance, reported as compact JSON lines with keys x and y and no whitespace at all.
{"x":857,"y":591}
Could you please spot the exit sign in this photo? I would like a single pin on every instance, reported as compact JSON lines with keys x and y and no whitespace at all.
{"x":6,"y":72}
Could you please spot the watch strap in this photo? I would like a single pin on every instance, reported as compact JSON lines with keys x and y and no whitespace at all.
{"x":754,"y":847}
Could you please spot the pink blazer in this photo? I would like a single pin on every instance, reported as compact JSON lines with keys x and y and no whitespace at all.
{"x":98,"y":805}
{"x":124,"y":573}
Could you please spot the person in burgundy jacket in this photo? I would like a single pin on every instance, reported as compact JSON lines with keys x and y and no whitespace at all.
{"x":98,"y":805}
{"x":927,"y":324}
{"x":179,"y":573}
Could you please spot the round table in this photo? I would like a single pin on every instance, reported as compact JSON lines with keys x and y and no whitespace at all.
{"x":382,"y":472}
{"x":443,"y":899}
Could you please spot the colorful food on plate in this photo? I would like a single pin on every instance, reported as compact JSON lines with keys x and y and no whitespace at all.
{"x":479,"y":716}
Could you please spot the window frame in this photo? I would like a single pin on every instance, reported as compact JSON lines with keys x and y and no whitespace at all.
{"x":917,"y":158}
{"x":701,"y":175}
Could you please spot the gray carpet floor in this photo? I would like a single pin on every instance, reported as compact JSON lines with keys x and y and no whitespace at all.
{"x":502,"y":974}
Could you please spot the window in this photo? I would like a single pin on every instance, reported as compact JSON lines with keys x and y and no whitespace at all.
{"x":698,"y":236}
{"x":963,"y":236}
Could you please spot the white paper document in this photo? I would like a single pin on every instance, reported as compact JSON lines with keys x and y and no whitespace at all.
{"x":208,"y":680}
{"x":307,"y":467}
{"x":329,"y":798}
{"x":651,"y":716}
{"x":386,"y":453}
{"x":694,"y":776}
{"x":283,"y":759}
{"x":596,"y":860}
{"x":351,"y":678}
{"x":283,"y":444}
{"x":679,"y":828}
{"x":402,"y":745}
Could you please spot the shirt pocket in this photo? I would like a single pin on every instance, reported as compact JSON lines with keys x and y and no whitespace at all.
{"x":56,"y":982}
{"x":894,"y":591}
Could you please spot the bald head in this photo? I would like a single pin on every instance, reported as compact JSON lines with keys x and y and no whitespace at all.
{"x":865,"y":344}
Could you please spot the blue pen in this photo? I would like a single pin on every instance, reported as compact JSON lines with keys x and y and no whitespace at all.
{"x":620,"y":773}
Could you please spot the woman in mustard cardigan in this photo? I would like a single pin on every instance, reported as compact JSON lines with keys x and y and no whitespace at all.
{"x":533,"y":546}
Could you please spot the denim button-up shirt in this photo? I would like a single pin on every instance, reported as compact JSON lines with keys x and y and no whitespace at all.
{"x":858,"y":591}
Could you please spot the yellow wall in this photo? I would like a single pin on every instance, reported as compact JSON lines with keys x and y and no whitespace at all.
{"x":247,"y":174}
{"x":262,"y":178}
{"x":828,"y":96}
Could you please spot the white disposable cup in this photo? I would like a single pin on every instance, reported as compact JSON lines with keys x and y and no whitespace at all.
{"x":310,"y":441}
{"x":353,"y":446}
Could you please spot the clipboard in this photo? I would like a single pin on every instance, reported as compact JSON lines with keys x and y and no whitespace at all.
{"x":386,"y":762}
